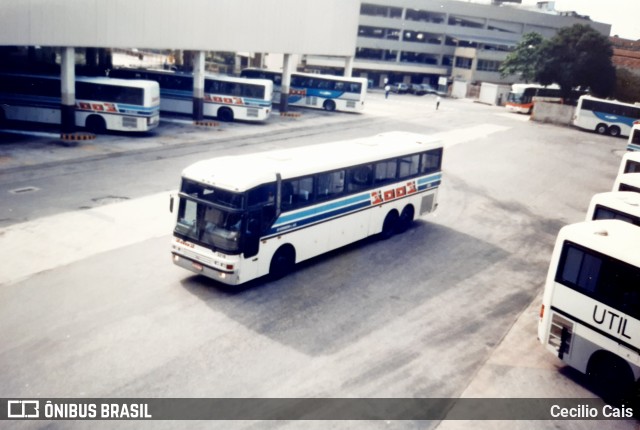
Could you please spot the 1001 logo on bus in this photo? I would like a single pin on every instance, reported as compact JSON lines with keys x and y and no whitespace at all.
{"x":379,"y":197}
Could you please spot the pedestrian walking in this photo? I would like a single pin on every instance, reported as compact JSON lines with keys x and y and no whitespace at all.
{"x":437,"y":102}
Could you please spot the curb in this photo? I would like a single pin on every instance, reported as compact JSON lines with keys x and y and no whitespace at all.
{"x":206,"y":123}
{"x":291,"y":114}
{"x":77,"y":136}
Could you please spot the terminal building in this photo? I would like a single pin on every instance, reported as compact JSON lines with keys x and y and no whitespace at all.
{"x":420,"y":41}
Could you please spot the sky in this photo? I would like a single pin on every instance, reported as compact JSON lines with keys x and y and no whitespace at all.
{"x":623,"y":15}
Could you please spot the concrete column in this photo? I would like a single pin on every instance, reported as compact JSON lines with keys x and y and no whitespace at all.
{"x":348,"y":66}
{"x":286,"y":83}
{"x":198,"y":85}
{"x":68,"y":91}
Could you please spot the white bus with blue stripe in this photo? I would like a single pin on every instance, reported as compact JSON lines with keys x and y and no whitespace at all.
{"x":101,"y":103}
{"x":317,"y":91}
{"x":605,"y":116}
{"x":242,"y":217}
{"x":226,"y":98}
{"x":590,"y":313}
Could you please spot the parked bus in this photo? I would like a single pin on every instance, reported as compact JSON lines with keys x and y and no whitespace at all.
{"x":605,"y":116}
{"x":225,"y":97}
{"x":522,"y":96}
{"x":622,"y":205}
{"x":317,"y":91}
{"x":101,"y":103}
{"x":630,"y":163}
{"x":590,"y":313}
{"x":634,"y":137}
{"x":627,"y":182}
{"x":241,"y":217}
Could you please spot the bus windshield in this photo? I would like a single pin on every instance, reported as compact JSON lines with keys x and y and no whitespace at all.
{"x":210,"y":216}
{"x":210,"y":225}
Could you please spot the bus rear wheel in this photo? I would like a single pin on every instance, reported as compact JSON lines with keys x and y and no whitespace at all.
{"x":406,"y":218}
{"x":96,"y":124}
{"x":614,"y":131}
{"x":225,"y":114}
{"x":602,"y":129}
{"x":329,"y":105}
{"x":282,"y":262}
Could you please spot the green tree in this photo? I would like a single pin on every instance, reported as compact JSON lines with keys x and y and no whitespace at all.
{"x":578,"y":56}
{"x":627,"y":86}
{"x":524,"y":59}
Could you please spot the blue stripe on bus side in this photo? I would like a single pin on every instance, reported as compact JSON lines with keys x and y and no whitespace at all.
{"x":615,"y":118}
{"x":633,"y":147}
{"x":54,"y":103}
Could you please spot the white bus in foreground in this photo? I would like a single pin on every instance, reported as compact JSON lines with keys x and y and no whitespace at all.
{"x":101,"y":103}
{"x":241,"y":217}
{"x":312,"y":90}
{"x":605,"y":116}
{"x":634,"y":138}
{"x":590,"y":313}
{"x":227,"y":98}
{"x":622,"y":205}
{"x":627,"y":182}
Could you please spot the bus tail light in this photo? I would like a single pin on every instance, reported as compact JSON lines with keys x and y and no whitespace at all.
{"x":541,"y":311}
{"x":229,"y":266}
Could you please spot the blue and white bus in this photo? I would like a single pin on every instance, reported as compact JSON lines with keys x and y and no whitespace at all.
{"x":605,"y":116}
{"x":312,"y":90}
{"x":227,"y":98}
{"x":101,"y":103}
{"x":241,"y":217}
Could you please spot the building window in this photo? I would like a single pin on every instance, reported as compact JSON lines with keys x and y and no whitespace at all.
{"x":384,"y":11}
{"x":488,"y":65}
{"x":463,"y":63}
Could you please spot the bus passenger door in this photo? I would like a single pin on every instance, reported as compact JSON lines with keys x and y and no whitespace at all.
{"x":252,"y":232}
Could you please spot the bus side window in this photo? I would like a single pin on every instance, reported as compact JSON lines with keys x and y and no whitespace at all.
{"x":359,"y":178}
{"x":297,"y":193}
{"x":385,"y":172}
{"x":409,"y":166}
{"x":330,"y":184}
{"x":431,"y":161}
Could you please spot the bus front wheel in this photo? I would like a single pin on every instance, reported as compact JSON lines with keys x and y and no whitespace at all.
{"x":602,"y":129}
{"x":390,"y":225}
{"x":225,"y":114}
{"x":282,"y":262}
{"x":96,"y":124}
{"x":614,"y":131}
{"x":329,"y":105}
{"x":611,"y":377}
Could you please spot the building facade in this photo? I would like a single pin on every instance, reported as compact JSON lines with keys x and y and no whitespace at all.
{"x":419,"y":41}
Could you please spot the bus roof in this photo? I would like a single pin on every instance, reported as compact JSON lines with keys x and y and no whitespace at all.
{"x":136,"y":83}
{"x":631,"y":179}
{"x":220,"y":77}
{"x":624,"y":201}
{"x":311,"y":75}
{"x":243,"y":172}
{"x":616,"y":102}
{"x":615,"y":238}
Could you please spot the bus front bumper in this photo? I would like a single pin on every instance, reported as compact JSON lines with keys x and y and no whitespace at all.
{"x":229,"y":278}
